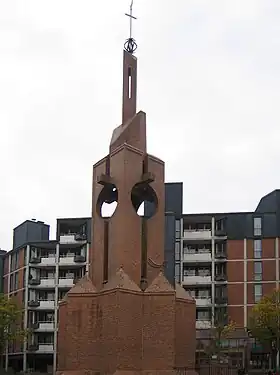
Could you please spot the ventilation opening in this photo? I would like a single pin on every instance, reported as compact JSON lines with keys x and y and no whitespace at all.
{"x":144,"y":200}
{"x":107,"y":201}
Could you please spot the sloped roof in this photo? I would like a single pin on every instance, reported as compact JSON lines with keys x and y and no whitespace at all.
{"x":121,"y":281}
{"x":160,"y":284}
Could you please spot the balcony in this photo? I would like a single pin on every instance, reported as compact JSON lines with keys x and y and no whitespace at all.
{"x":221,"y":300}
{"x":34,"y":326}
{"x":47,"y":282}
{"x":71,"y":260}
{"x":67,"y":260}
{"x":48,"y":261}
{"x":46,"y":305}
{"x":33,"y":303}
{"x":41,"y":348}
{"x":220,"y":255}
{"x":33,"y":347}
{"x":35,"y":260}
{"x":74,"y":238}
{"x":192,"y":234}
{"x":220,"y":233}
{"x":193,"y":280}
{"x":221,"y":277}
{"x":203,"y":324}
{"x":79,"y":259}
{"x":43,"y":326}
{"x":197,"y":257}
{"x":203,"y":301}
{"x":66,"y":282}
{"x":34,"y":282}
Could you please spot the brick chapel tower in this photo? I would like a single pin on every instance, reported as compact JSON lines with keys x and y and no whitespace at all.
{"x":124,"y":317}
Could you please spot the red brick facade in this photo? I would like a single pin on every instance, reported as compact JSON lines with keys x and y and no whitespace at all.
{"x":125,"y":316}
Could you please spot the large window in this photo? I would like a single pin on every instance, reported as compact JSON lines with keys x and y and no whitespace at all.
{"x":257,"y":226}
{"x":257,"y":249}
{"x":257,"y":292}
{"x":258,"y":271}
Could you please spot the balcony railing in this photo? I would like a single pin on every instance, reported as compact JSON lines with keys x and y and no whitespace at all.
{"x":220,"y":233}
{"x":203,"y":301}
{"x":48,"y":261}
{"x":66,"y":259}
{"x":34,"y":303}
{"x":79,"y":258}
{"x":67,"y":282}
{"x":197,"y":280}
{"x":42,"y":326}
{"x":47,"y":282}
{"x":41,"y":348}
{"x":35,"y":260}
{"x":203,"y":324}
{"x":34,"y":326}
{"x":33,"y":347}
{"x":222,"y":277}
{"x":35,"y":281}
{"x":197,"y":257}
{"x":221,"y":300}
{"x":220,"y":254}
{"x":200,"y":234}
{"x":72,"y":238}
{"x":46,"y":304}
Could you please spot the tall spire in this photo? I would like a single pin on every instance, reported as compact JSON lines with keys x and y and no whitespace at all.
{"x":132,"y":130}
{"x":130,"y":45}
{"x":129,"y":73}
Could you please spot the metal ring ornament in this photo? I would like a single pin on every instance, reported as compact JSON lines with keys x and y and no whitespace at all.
{"x":130,"y":45}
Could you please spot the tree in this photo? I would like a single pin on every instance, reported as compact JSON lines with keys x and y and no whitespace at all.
{"x":264,"y":323}
{"x":10,"y":323}
{"x":221,"y":331}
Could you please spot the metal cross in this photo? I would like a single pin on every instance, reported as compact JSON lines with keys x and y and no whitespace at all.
{"x":131,"y":18}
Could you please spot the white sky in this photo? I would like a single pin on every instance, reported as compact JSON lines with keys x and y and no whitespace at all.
{"x":209,"y":81}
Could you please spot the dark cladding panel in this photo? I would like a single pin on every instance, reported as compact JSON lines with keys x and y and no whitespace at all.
{"x":169,"y":248}
{"x":30,"y":231}
{"x":174,"y":198}
{"x":269,"y":225}
{"x":268,"y":203}
{"x":236,"y":225}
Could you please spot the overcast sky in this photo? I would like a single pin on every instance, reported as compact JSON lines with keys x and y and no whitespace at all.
{"x":209,"y":76}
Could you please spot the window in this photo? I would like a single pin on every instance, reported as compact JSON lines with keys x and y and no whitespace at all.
{"x":177,"y":273}
{"x":257,"y":226}
{"x":11,"y":282}
{"x":258,"y":271}
{"x":177,"y":251}
{"x":16,"y":285}
{"x":203,"y":294}
{"x":189,"y":272}
{"x":24,"y":277}
{"x":257,"y":249}
{"x":178,"y":229}
{"x":203,"y":315}
{"x":257,"y":292}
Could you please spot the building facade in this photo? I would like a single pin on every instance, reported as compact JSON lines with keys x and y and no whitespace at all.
{"x":227,"y":261}
{"x":38,"y":272}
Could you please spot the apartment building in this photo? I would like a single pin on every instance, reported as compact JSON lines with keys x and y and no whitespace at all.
{"x":227,"y":261}
{"x":39,"y":272}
